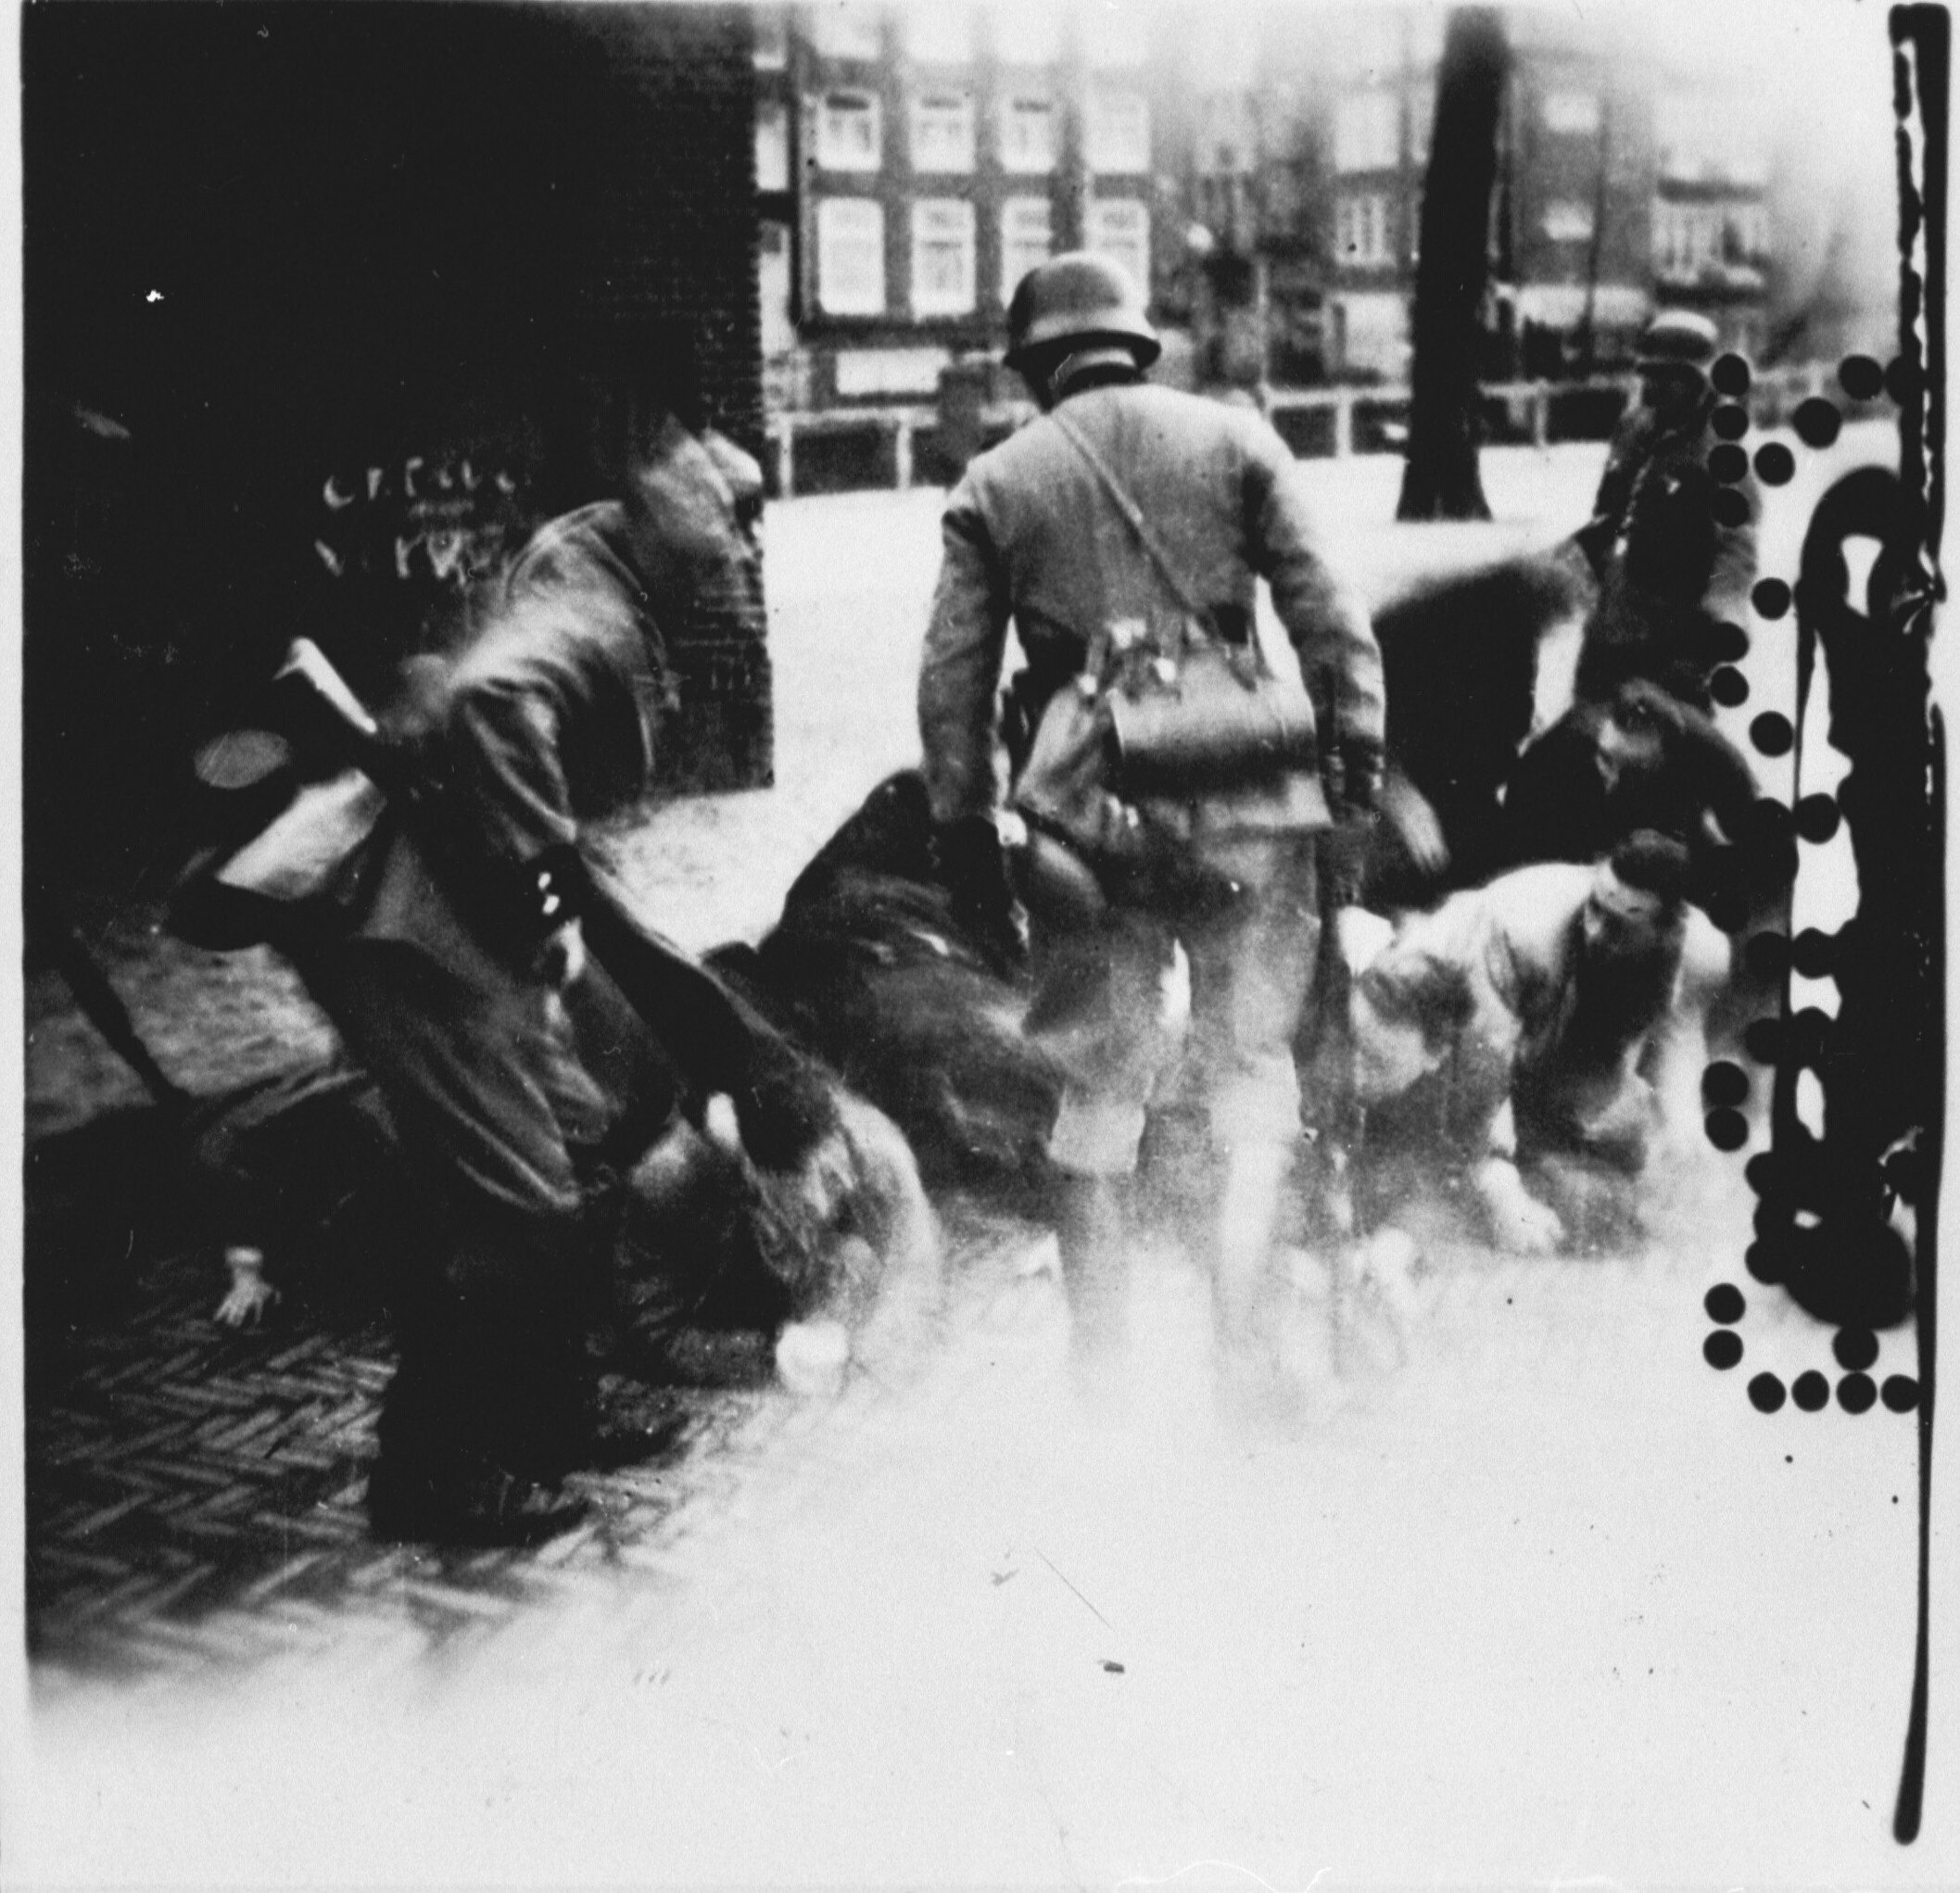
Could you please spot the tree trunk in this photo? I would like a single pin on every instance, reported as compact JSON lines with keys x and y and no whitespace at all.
{"x":1441,"y":480}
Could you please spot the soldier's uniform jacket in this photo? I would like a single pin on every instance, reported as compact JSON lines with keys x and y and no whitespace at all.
{"x":1646,"y":466}
{"x":545,"y":725}
{"x":1032,"y":535}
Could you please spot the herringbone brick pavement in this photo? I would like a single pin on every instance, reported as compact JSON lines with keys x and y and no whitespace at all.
{"x":194,"y":1493}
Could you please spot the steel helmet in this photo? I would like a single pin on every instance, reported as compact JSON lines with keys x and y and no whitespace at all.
{"x":1677,"y":338}
{"x":1078,"y":297}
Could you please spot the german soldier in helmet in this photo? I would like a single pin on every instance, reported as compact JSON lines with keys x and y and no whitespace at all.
{"x":1670,"y":565}
{"x":1122,"y":509}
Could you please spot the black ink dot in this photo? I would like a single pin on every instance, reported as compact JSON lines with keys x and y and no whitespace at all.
{"x":1900,"y":1392}
{"x":1763,"y":1172}
{"x":1766,"y":1394}
{"x":1728,"y":643}
{"x":1817,"y":817}
{"x":1856,"y":1348}
{"x":1723,"y":1084}
{"x":1775,"y":464}
{"x":1728,"y":686}
{"x":1811,"y":1392}
{"x":1770,"y":596}
{"x":1812,"y":952}
{"x":1726,"y":1129}
{"x":1730,"y":376}
{"x":1771,"y":733}
{"x":1723,"y":1348}
{"x":1902,"y":381}
{"x":1816,"y":421}
{"x":1808,"y":1026}
{"x":1730,"y":506}
{"x":1763,"y":1263}
{"x":1766,"y":956}
{"x":1856,"y":1392}
{"x":1860,"y":377}
{"x":1730,"y":423}
{"x":1761,"y":1039}
{"x":1727,"y":462}
{"x":1767,"y":822}
{"x":1724,"y":1302}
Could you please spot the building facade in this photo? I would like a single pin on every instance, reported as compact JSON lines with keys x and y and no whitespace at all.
{"x":913,"y":163}
{"x":1260,"y":170}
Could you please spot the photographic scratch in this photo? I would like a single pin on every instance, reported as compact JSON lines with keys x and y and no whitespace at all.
{"x":1051,"y":1564}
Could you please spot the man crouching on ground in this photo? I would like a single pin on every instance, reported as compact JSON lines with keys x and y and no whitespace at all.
{"x":1549,"y":1025}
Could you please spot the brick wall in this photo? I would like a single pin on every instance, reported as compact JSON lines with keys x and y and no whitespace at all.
{"x":668,"y":262}
{"x":303,"y":254}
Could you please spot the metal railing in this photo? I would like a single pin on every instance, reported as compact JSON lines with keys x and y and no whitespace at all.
{"x":1531,"y":408}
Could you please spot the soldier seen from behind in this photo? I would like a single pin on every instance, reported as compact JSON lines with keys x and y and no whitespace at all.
{"x":1174,"y":928}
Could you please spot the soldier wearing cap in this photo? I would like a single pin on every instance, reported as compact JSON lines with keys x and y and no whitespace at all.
{"x":1670,"y":568}
{"x":1036,"y":535}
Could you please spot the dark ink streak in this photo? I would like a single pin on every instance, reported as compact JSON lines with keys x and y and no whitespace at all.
{"x":1921,"y":63}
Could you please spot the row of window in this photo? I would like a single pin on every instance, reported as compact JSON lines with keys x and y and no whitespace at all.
{"x":1024,"y":33}
{"x":1687,"y":237}
{"x":850,"y":233}
{"x":944,"y":134}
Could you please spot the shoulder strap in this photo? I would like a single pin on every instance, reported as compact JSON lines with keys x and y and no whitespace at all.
{"x":1134,"y":514}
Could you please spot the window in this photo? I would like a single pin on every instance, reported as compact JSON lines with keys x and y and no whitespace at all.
{"x":846,"y":29}
{"x":772,"y":38}
{"x":1028,"y":32}
{"x":941,"y":257}
{"x":1748,"y":232}
{"x":1687,"y":238}
{"x":941,"y":33}
{"x":772,"y":145}
{"x":1028,"y":134}
{"x":1119,"y":132}
{"x":942,"y":132}
{"x":1367,"y":134}
{"x":1568,"y":221}
{"x":1360,"y":231}
{"x":778,"y":332}
{"x":1574,"y":112}
{"x":1119,"y":229}
{"x":1027,"y":238}
{"x":847,"y":132}
{"x":851,"y":255}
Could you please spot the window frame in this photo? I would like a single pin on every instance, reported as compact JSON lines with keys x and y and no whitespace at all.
{"x":966,"y":299}
{"x":829,"y":210}
{"x":829,"y":155}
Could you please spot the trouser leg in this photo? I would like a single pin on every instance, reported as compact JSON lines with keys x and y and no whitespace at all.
{"x":1110,"y":1010}
{"x":1252,"y":973}
{"x":478,"y":1079}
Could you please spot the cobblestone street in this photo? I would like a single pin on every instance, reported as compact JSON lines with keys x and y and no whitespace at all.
{"x":1523,"y":1592}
